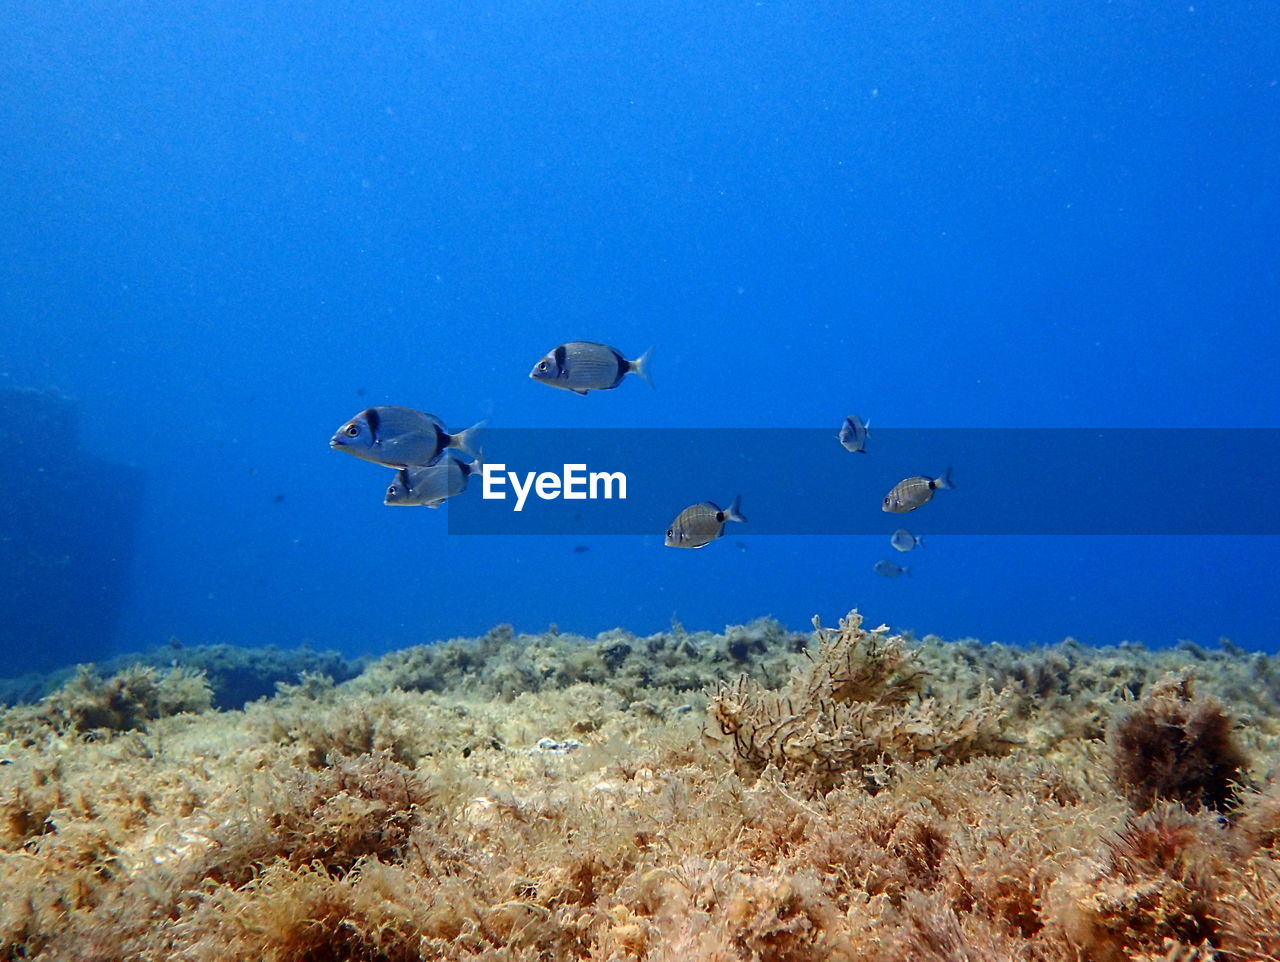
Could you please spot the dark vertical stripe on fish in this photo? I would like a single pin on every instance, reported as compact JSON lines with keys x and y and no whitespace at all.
{"x":559,"y":354}
{"x":373,"y":419}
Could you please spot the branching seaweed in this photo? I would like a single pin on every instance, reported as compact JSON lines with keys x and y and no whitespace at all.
{"x":858,"y":707}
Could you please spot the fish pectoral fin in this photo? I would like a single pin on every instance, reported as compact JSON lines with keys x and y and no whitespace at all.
{"x":578,"y":391}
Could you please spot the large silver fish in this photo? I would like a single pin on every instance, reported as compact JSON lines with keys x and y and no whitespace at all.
{"x":909,"y":494}
{"x":400,"y":437}
{"x":700,"y":524}
{"x":853,"y":434}
{"x":431,"y":485}
{"x":582,"y":366}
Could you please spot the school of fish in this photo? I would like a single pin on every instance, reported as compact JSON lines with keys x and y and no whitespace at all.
{"x":433,"y":464}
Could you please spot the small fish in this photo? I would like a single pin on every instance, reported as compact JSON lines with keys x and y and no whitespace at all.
{"x":581,"y":548}
{"x":854,"y":433}
{"x":582,"y":366}
{"x":700,"y":524}
{"x":400,"y":437}
{"x":431,"y":485}
{"x":887,"y":569}
{"x":278,"y":499}
{"x":904,"y":540}
{"x":909,"y":494}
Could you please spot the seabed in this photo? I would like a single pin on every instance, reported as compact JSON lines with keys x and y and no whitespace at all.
{"x":761,"y":794}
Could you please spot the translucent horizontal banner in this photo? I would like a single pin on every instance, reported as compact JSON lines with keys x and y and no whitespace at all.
{"x":803,"y":481}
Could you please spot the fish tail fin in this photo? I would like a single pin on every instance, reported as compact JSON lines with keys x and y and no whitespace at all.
{"x":944,"y":481}
{"x":919,"y":541}
{"x":735,"y":510}
{"x":641,"y":366}
{"x":906,"y":570}
{"x":465,"y":441}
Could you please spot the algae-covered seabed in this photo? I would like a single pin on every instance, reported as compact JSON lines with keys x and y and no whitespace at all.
{"x":760,"y":794}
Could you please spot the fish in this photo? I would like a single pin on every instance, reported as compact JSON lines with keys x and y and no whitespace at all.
{"x":431,"y":485}
{"x":909,"y":494}
{"x":854,"y":433}
{"x":700,"y":524}
{"x":887,"y":569}
{"x":582,"y":366}
{"x":904,"y":540}
{"x":400,"y":437}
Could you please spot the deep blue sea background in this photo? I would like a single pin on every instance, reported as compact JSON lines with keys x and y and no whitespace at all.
{"x":228,"y":227}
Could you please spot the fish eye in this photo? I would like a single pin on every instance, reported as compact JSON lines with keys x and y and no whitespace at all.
{"x":542,"y":365}
{"x":392,"y":492}
{"x":352,"y":430}
{"x":671,"y":532}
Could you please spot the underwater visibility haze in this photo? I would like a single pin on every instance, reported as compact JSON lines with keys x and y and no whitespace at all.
{"x":230,"y":228}
{"x":916,"y":364}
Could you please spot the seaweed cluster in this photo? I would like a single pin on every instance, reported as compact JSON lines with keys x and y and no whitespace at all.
{"x":1176,"y":745}
{"x":126,"y":701}
{"x":837,"y":796}
{"x":858,"y":707}
{"x":235,"y":674}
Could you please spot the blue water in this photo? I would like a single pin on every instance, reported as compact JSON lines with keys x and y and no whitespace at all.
{"x":228,"y":227}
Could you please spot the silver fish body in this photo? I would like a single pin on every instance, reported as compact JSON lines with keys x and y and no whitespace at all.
{"x":909,"y":494}
{"x":904,"y":540}
{"x":853,"y":434}
{"x":887,"y":569}
{"x":700,"y":524}
{"x":582,"y":366}
{"x":400,"y":437}
{"x":430,"y":485}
